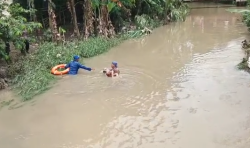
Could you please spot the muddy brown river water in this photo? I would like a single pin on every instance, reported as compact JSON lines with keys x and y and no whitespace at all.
{"x":179,"y":88}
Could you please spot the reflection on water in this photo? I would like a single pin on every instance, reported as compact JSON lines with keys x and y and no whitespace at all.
{"x":179,"y":88}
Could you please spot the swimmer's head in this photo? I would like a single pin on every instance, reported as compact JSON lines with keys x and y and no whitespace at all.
{"x":76,"y":58}
{"x":114,"y":64}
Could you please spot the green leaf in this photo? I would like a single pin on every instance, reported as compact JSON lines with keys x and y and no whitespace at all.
{"x":110,"y":6}
{"x":95,"y":3}
{"x":61,"y":30}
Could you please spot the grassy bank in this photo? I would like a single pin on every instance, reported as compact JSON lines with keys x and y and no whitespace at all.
{"x":243,"y":65}
{"x":34,"y":75}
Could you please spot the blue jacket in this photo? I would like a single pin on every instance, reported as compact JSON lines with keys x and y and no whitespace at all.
{"x":74,"y":66}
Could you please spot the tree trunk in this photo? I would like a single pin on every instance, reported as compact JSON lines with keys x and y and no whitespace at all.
{"x":3,"y":77}
{"x":70,"y":10}
{"x":52,"y":22}
{"x":88,"y":19}
{"x":76,"y":29}
{"x":105,"y":27}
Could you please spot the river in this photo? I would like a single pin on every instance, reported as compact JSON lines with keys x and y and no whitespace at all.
{"x":179,"y":88}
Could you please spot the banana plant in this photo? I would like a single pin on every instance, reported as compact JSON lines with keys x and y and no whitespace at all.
{"x":31,"y":6}
{"x":120,"y":4}
{"x":13,"y":26}
{"x":176,"y":10}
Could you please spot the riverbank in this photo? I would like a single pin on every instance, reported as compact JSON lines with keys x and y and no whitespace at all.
{"x":32,"y":73}
{"x":244,"y":64}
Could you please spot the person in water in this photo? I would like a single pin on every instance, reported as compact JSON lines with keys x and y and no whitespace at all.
{"x":75,"y":65}
{"x":114,"y":71}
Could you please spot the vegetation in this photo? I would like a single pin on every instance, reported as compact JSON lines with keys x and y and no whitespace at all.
{"x":12,"y":28}
{"x":243,"y":65}
{"x":245,"y":14}
{"x":98,"y":25}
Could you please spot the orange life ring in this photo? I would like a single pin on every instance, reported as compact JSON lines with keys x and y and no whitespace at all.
{"x":55,"y":71}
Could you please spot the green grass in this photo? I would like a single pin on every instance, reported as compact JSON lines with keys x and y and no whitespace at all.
{"x":34,"y":75}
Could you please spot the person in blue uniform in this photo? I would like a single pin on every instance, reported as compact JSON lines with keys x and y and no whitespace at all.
{"x":75,"y":65}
